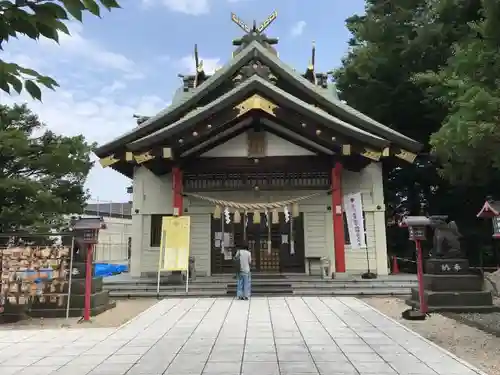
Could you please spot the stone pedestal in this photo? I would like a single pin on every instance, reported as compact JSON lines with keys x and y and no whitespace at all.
{"x":450,"y":286}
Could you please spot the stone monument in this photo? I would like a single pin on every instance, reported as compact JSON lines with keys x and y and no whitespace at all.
{"x":449,"y":284}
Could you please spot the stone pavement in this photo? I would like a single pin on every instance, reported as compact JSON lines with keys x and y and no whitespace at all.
{"x":264,"y":336}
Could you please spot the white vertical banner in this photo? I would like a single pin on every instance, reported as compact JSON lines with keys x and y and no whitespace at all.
{"x":353,"y":207}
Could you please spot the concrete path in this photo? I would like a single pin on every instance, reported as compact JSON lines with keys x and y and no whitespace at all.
{"x":266,"y":336}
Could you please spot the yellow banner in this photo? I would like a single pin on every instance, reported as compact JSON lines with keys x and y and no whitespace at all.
{"x":174,"y":246}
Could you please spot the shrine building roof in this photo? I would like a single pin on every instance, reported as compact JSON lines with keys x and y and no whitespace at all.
{"x":255,"y":89}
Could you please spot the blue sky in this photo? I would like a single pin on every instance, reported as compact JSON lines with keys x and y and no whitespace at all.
{"x":128,"y":61}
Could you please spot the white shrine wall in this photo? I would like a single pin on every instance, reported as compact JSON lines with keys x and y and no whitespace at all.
{"x":152,"y":195}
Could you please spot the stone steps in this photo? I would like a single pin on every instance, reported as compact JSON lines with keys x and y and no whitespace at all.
{"x":296,"y":285}
{"x":263,"y":288}
{"x":166,"y":293}
{"x":356,"y":292}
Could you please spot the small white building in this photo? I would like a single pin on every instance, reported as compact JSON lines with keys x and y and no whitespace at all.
{"x":114,"y":242}
{"x":258,"y":132}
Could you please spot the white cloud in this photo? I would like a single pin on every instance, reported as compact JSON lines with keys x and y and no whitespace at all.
{"x":99,"y":119}
{"x":192,"y":7}
{"x":298,"y":28}
{"x":76,"y":45}
{"x":97,"y":97}
{"x":163,"y":58}
{"x":115,"y":86}
{"x":187,"y":64}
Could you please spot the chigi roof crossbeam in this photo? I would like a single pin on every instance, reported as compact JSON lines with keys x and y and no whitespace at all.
{"x":255,"y":33}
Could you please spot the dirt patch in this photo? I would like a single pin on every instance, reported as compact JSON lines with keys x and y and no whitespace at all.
{"x":479,"y":348}
{"x":122,"y":313}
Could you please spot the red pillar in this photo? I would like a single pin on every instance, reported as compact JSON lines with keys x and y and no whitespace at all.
{"x":338,"y":219}
{"x":88,"y":282}
{"x":177,"y":200}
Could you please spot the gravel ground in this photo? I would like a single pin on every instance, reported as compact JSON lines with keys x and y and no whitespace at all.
{"x":489,"y":323}
{"x":471,"y":344}
{"x":122,"y":313}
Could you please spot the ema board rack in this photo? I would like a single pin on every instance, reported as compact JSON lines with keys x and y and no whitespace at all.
{"x":33,"y":273}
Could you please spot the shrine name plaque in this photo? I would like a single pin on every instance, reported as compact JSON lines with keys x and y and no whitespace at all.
{"x":438,"y":266}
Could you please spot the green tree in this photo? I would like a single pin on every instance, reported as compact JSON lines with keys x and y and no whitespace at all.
{"x":392,"y":45}
{"x":35,"y":19}
{"x":41,"y":174}
{"x":468,"y":87}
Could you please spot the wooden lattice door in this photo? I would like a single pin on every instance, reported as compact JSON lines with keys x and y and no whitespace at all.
{"x":258,"y":235}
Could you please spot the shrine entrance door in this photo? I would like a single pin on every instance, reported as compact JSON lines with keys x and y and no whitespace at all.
{"x":280,"y":259}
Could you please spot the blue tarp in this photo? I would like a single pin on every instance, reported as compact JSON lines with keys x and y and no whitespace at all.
{"x":106,"y":269}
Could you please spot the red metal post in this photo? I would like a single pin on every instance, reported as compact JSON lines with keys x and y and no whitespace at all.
{"x":338,"y":218}
{"x":420,"y":276}
{"x":177,"y":201}
{"x":88,"y":282}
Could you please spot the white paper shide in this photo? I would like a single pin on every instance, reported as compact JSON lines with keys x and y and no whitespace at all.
{"x":353,"y":207}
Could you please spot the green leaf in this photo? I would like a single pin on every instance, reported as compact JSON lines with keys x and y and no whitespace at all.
{"x":33,"y":89}
{"x":22,"y":22}
{"x":92,"y":7}
{"x":110,"y":4}
{"x":50,"y":9}
{"x":15,"y":82}
{"x":4,"y":86}
{"x":4,"y":32}
{"x":29,"y":72}
{"x":47,"y":82}
{"x":61,"y":26}
{"x":48,"y":31}
{"x":75,"y":8}
{"x":54,"y":24}
{"x":9,"y":67}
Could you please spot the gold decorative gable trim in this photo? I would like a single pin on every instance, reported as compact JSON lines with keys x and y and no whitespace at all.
{"x":108,"y":161}
{"x":406,"y":156}
{"x":165,"y":153}
{"x":144,"y":157}
{"x":371,"y":154}
{"x":256,"y":102}
{"x":368,"y":153}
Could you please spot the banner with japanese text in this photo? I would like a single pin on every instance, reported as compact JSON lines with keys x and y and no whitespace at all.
{"x":353,"y":208}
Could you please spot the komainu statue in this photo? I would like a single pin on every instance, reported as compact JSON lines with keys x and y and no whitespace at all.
{"x":446,"y":242}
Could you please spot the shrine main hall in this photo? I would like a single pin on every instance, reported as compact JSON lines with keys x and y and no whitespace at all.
{"x":262,"y":154}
